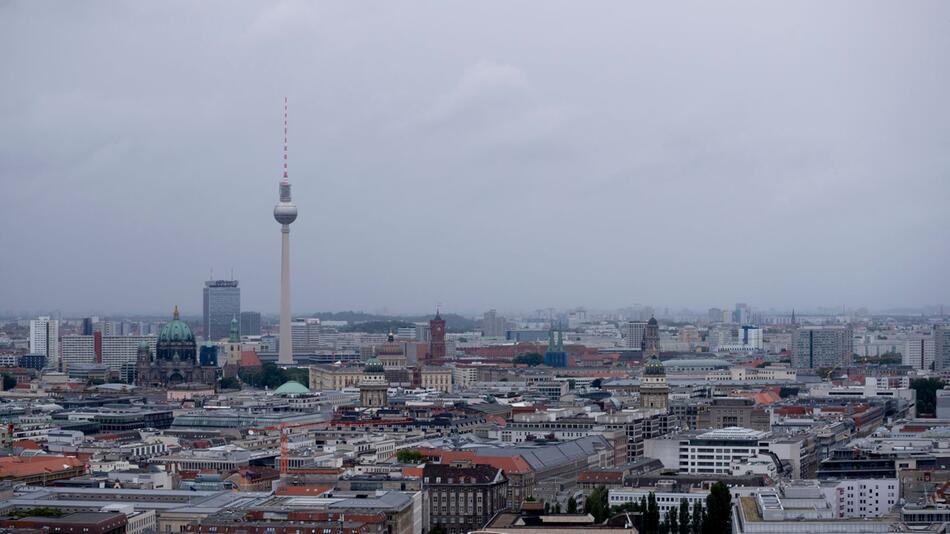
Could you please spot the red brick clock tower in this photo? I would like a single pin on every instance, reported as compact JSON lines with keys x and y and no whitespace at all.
{"x":437,"y":337}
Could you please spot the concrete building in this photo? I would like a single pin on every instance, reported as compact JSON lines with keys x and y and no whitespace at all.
{"x":815,"y":347}
{"x":44,"y":339}
{"x":632,"y":332}
{"x":250,"y":323}
{"x":919,"y":352}
{"x":493,"y":325}
{"x":726,"y":412}
{"x":305,"y":334}
{"x":942,"y":347}
{"x":729,"y":450}
{"x":77,"y":349}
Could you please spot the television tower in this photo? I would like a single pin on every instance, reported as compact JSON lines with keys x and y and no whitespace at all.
{"x":285,"y":212}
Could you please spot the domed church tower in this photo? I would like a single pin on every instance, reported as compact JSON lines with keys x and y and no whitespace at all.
{"x":374,"y":389}
{"x":654,"y":389}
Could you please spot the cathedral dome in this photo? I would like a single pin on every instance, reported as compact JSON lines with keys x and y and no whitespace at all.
{"x":176,"y":331}
{"x":654,"y":367}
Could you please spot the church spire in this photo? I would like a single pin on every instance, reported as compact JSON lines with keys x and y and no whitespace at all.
{"x":175,"y":313}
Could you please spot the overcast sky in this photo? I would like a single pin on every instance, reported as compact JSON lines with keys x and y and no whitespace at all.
{"x":510,"y":155}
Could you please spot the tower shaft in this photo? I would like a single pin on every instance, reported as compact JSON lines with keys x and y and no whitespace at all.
{"x":285,"y":355}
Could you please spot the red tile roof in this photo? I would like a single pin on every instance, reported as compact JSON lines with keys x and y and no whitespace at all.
{"x":23,"y":466}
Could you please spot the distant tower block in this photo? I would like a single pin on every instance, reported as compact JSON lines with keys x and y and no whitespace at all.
{"x":285,"y":212}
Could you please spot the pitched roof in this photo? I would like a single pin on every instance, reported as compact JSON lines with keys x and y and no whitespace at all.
{"x":249,"y":358}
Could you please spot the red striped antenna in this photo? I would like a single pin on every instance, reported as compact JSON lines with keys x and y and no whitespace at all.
{"x":285,"y":139}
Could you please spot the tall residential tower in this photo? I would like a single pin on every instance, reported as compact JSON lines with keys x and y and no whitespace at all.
{"x":285,"y":212}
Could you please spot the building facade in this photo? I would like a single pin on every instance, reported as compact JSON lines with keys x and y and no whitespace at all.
{"x":250,"y":323}
{"x":463,"y":497}
{"x":44,"y":339}
{"x":828,"y":347}
{"x":222,"y":302}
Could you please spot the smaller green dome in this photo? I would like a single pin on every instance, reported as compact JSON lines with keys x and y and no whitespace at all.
{"x":292,"y":387}
{"x":654,"y":367}
{"x":374,"y":365}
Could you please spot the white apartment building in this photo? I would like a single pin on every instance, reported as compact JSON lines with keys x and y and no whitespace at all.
{"x":860,"y":498}
{"x":44,"y":339}
{"x":123,"y":350}
{"x":76,"y":349}
{"x":919,"y":352}
{"x":669,"y":500}
{"x":464,"y":377}
{"x":633,"y":332}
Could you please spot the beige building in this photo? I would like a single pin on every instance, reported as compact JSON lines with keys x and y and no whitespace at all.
{"x":334,"y":377}
{"x":439,"y":378}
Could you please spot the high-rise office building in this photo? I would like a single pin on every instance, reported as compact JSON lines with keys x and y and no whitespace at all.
{"x":919,"y":352}
{"x":816,"y":347}
{"x":222,"y":302}
{"x":494,"y":325}
{"x":305,"y":334}
{"x":942,"y":347}
{"x":88,"y":324}
{"x":44,"y":339}
{"x":742,"y":314}
{"x":250,"y":323}
{"x":632,"y":332}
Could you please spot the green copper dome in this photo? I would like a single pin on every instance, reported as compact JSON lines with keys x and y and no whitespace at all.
{"x":654,"y":367}
{"x":374,"y":365}
{"x":292,"y":387}
{"x":176,"y":331}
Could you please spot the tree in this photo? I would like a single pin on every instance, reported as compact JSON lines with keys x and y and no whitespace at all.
{"x":684,"y":517}
{"x":547,"y":508}
{"x":530,"y":359}
{"x":651,"y":519}
{"x":596,"y":504}
{"x":409,"y":456}
{"x":699,"y":516}
{"x":229,"y":383}
{"x":572,"y":505}
{"x":926,"y":389}
{"x":718,"y":510}
{"x":9,"y":382}
{"x":438,"y":529}
{"x":672,"y":521}
{"x":557,"y":508}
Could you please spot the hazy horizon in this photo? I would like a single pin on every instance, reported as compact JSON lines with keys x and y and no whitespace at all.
{"x":477,"y":155}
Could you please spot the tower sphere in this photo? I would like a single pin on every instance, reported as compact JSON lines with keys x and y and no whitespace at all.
{"x":285,"y":212}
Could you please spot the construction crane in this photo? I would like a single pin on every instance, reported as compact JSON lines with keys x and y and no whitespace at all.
{"x":284,"y":453}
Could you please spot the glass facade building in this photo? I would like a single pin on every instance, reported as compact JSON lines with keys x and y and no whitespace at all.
{"x":222,"y":302}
